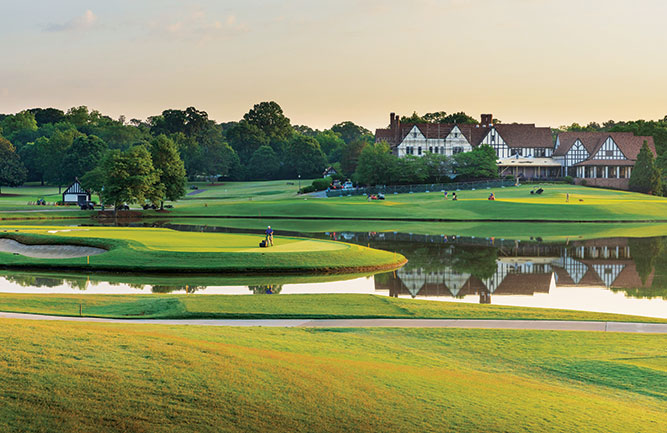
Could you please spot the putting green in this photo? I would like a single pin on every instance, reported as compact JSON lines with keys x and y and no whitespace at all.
{"x":171,"y":240}
{"x":159,"y":249}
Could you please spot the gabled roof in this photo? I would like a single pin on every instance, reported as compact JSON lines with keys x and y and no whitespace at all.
{"x":76,"y":188}
{"x":628,"y":143}
{"x":525,"y":135}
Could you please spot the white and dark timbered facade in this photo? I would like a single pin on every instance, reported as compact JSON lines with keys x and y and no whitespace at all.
{"x":75,"y":194}
{"x":524,"y":150}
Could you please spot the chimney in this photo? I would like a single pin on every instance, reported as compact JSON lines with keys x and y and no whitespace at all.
{"x":392,"y":116}
{"x":487,"y":120}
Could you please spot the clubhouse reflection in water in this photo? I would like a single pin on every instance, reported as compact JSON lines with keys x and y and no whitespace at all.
{"x":451,"y":267}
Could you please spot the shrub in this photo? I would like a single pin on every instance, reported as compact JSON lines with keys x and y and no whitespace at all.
{"x":569,"y":179}
{"x":307,"y":189}
{"x":322,"y":184}
{"x":583,"y":182}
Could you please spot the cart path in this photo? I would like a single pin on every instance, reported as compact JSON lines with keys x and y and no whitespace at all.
{"x":549,"y":325}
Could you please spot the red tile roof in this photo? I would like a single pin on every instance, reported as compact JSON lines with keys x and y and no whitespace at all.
{"x":627,"y":142}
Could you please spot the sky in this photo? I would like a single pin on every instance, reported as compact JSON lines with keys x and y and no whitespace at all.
{"x":529,"y":61}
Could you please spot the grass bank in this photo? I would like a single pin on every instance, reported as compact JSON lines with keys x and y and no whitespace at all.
{"x":278,"y":199}
{"x":118,"y":378}
{"x":164,"y":250}
{"x":511,"y":204}
{"x":324,"y":306}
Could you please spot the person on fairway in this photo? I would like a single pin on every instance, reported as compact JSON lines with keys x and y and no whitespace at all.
{"x":269,"y":236}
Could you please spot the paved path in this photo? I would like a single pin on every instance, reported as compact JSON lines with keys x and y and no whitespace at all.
{"x":554,"y":325}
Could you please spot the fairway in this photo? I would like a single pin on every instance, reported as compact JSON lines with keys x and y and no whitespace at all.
{"x":98,"y":377}
{"x":155,"y":249}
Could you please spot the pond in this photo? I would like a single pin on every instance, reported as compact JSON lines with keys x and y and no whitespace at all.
{"x":615,"y":275}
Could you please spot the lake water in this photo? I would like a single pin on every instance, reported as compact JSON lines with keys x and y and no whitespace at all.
{"x":615,"y":275}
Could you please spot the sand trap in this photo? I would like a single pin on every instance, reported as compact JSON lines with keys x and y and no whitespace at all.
{"x":48,"y":251}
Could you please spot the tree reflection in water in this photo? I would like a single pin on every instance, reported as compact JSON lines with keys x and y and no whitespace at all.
{"x":266,"y":289}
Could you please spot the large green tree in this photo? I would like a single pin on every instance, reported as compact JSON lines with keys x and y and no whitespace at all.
{"x":264,"y":164}
{"x":83,"y":155}
{"x":331,"y":144}
{"x":125,"y":177}
{"x":245,"y":138}
{"x":269,"y":118}
{"x":12,"y":171}
{"x":480,"y":163}
{"x":350,"y":155}
{"x":170,"y":168}
{"x":646,"y":176}
{"x":350,"y":132}
{"x":377,"y":165}
{"x":304,"y":157}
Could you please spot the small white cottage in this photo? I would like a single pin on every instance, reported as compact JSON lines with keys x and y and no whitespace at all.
{"x":75,"y":194}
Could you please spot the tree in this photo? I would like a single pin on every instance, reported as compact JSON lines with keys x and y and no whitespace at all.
{"x":350,"y":132}
{"x":47,"y":115}
{"x":12,"y":171}
{"x":83,"y":155}
{"x":19,"y":128}
{"x":269,"y":118}
{"x":245,"y":139}
{"x":124,"y":177}
{"x":331,"y":144}
{"x":170,"y":168}
{"x":646,"y":176}
{"x":264,"y":164}
{"x":304,"y":157}
{"x":51,"y":153}
{"x":437,"y":167}
{"x":350,"y":155}
{"x":480,"y":163}
{"x":377,"y":165}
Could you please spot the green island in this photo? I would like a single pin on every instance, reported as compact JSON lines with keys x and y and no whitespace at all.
{"x":67,"y":377}
{"x":164,"y":250}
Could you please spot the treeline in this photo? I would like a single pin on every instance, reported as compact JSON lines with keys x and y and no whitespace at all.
{"x":53,"y":147}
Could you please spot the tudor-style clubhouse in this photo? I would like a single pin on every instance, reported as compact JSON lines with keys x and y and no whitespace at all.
{"x":525,"y":151}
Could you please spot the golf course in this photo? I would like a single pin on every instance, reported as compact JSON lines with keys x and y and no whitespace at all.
{"x":172,"y":377}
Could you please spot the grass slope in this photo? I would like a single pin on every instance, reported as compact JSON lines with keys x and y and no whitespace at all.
{"x":152,"y":249}
{"x":283,"y":306}
{"x":122,"y":378}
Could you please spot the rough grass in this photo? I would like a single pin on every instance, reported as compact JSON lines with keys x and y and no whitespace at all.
{"x":150,"y":249}
{"x":126,"y":378}
{"x":323,"y":306}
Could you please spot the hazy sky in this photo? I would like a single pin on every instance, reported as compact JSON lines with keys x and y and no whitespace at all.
{"x":551,"y":62}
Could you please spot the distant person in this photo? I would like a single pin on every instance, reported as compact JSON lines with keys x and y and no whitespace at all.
{"x":445,"y":195}
{"x":492,"y":197}
{"x":269,"y":236}
{"x":454,"y":197}
{"x":567,"y":197}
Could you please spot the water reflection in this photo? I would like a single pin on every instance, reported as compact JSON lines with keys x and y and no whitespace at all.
{"x":625,"y":275}
{"x":457,"y":267}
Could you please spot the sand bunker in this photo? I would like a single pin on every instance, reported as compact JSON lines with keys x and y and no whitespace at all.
{"x":48,"y":251}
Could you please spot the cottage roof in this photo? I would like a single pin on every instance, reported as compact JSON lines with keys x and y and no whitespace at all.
{"x":627,"y":142}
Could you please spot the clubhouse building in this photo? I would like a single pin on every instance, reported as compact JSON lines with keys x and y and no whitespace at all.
{"x":525,"y":151}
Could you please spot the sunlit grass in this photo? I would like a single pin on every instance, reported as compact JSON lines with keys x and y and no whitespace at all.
{"x":312,"y":306}
{"x":92,"y":377}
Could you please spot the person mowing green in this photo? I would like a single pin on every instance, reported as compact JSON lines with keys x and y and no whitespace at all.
{"x":269,"y":236}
